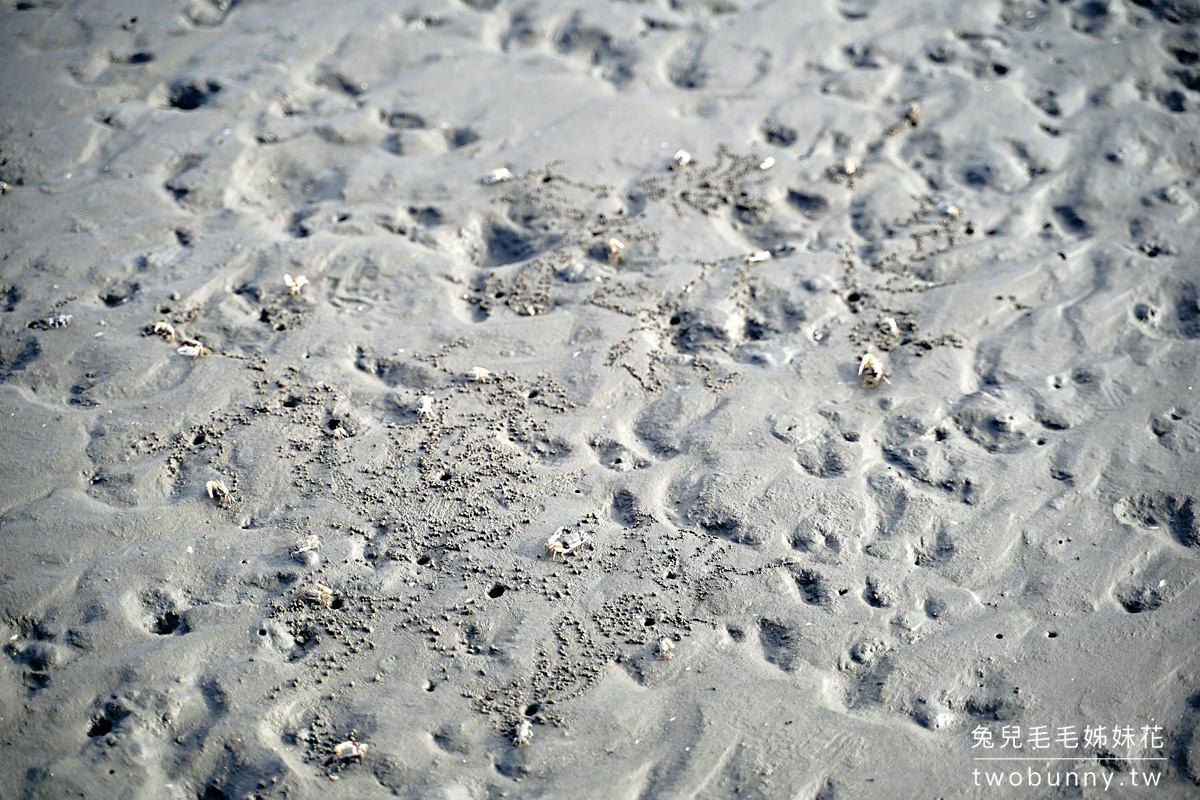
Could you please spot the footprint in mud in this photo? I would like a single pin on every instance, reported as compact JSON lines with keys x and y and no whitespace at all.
{"x":1176,"y":431}
{"x":1158,"y":585}
{"x":1173,"y":311}
{"x":163,"y":613}
{"x":685,"y":69}
{"x":614,"y":60}
{"x":38,"y":654}
{"x":189,"y":95}
{"x":780,"y":644}
{"x":830,"y":456}
{"x":617,"y":456}
{"x":1156,"y":510}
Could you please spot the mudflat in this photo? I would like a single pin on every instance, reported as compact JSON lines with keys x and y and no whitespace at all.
{"x":471,"y":399}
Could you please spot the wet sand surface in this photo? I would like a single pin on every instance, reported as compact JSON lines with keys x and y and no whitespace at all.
{"x":600,"y":274}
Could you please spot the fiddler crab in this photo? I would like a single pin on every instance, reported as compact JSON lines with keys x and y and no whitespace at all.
{"x":294,"y":285}
{"x":309,"y":544}
{"x":682,"y":159}
{"x":425,"y":407}
{"x":524,"y":734}
{"x":498,"y":175}
{"x":318,"y":593}
{"x":479,"y":375}
{"x":870,"y":369}
{"x":350,"y":751}
{"x":218,"y":491}
{"x":615,"y":248}
{"x":193,"y":349}
{"x":950,"y":210}
{"x":164,"y":329}
{"x":666,"y":650}
{"x":564,"y":541}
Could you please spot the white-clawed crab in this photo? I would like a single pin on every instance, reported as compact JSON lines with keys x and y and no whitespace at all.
{"x":309,"y":544}
{"x":164,"y":329}
{"x":350,"y":750}
{"x":425,"y":407}
{"x":615,"y":248}
{"x":498,"y":175}
{"x":219,"y":492}
{"x":294,"y":285}
{"x":193,"y":349}
{"x":565,"y":541}
{"x":479,"y":375}
{"x":524,"y":734}
{"x":870,"y":369}
{"x":950,"y":210}
{"x":318,"y":593}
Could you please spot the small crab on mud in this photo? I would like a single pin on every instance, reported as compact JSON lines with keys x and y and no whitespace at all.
{"x":193,"y":349}
{"x":309,"y":544}
{"x":479,"y":375}
{"x":565,"y":541}
{"x":870,"y":369}
{"x":294,"y":285}
{"x":162,"y":328}
{"x":318,"y":593}
{"x":219,"y":492}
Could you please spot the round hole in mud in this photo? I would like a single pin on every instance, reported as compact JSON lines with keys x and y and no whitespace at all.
{"x":497,"y":590}
{"x":262,"y":631}
{"x":533,"y":393}
{"x":853,"y":297}
{"x":334,"y":424}
{"x":422,"y":561}
{"x":200,"y":438}
{"x":100,"y":727}
{"x":531,"y":709}
{"x":999,"y":635}
{"x":430,"y":686}
{"x":167,"y":624}
{"x":675,"y":320}
{"x":446,"y":476}
{"x":649,"y":622}
{"x":671,"y":576}
{"x":1051,"y":634}
{"x":291,"y":402}
{"x":338,"y":602}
